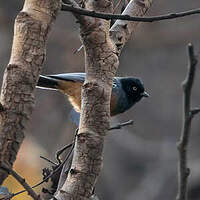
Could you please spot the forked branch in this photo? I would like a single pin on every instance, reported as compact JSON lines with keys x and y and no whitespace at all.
{"x":101,"y":57}
{"x":188,"y":114}
{"x":22,"y":181}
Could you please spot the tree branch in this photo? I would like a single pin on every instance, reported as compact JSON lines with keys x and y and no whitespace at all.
{"x":67,"y":164}
{"x":22,"y":181}
{"x":46,"y":178}
{"x":101,"y":59}
{"x":32,"y":26}
{"x":120,"y":125}
{"x":101,"y":65}
{"x":71,"y":3}
{"x":188,"y":114}
{"x":109,"y":16}
{"x":59,"y":167}
{"x":122,"y":30}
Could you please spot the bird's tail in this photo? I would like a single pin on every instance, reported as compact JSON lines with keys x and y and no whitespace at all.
{"x":46,"y":82}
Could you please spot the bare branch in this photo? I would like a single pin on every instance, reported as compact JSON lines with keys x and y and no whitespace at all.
{"x":22,"y":182}
{"x":58,"y":168}
{"x":32,"y":26}
{"x":102,"y":62}
{"x":120,"y":125}
{"x":48,"y":160}
{"x":67,"y":166}
{"x":122,"y":30}
{"x":188,"y":113}
{"x":71,"y":3}
{"x":60,"y":151}
{"x":44,"y":180}
{"x":109,"y":16}
{"x":195,"y":111}
{"x":101,"y":65}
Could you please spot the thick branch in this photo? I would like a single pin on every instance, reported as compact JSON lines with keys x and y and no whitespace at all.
{"x":32,"y":26}
{"x":121,"y":30}
{"x":101,"y":65}
{"x":109,"y":16}
{"x":188,"y":113}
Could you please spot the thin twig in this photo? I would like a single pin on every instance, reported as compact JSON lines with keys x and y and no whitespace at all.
{"x":48,"y":160}
{"x":22,"y":182}
{"x":60,"y":151}
{"x":7,"y":197}
{"x":188,"y":114}
{"x":120,"y":125}
{"x":77,"y":50}
{"x":66,"y":164}
{"x":44,"y":180}
{"x":109,"y":16}
{"x":73,"y":4}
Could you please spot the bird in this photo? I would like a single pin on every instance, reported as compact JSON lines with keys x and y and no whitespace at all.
{"x":126,"y":91}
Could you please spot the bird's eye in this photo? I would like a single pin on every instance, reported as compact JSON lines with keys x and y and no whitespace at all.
{"x":134,"y":88}
{"x":114,"y":85}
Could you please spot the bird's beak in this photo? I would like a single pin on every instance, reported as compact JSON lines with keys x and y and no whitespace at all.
{"x":145,"y":94}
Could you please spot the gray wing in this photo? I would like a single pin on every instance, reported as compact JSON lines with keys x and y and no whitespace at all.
{"x":80,"y":77}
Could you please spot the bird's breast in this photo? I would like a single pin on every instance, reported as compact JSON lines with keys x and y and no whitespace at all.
{"x":73,"y":90}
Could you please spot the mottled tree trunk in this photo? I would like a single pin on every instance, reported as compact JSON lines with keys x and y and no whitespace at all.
{"x":101,"y":63}
{"x":32,"y":26}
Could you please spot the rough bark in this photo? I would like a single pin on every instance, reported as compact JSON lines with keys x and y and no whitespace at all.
{"x":188,"y":114}
{"x":121,"y":30}
{"x":32,"y":26}
{"x":101,"y":63}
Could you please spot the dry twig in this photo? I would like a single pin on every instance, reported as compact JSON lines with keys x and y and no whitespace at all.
{"x":49,"y":176}
{"x":109,"y":16}
{"x":22,"y":182}
{"x":120,"y":125}
{"x":188,"y":114}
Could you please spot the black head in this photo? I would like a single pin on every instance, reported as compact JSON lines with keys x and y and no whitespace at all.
{"x":133,"y":88}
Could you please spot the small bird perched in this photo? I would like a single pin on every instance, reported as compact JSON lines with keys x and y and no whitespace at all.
{"x":126,"y":91}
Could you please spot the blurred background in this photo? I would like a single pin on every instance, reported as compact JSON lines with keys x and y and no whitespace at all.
{"x":140,"y":161}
